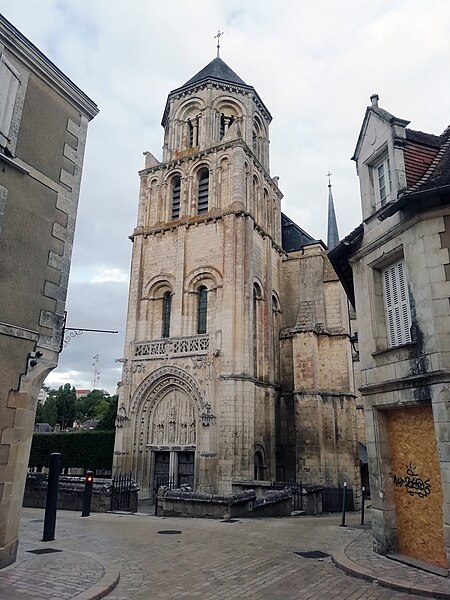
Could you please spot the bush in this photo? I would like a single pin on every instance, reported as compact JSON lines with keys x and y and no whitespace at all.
{"x":85,"y":450}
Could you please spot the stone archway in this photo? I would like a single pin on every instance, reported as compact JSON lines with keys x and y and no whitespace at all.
{"x":166,"y":411}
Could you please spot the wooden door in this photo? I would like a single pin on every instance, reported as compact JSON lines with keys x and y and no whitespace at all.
{"x":186,"y":468}
{"x":417,"y":484}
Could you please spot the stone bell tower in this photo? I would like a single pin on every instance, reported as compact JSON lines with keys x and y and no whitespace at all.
{"x":197,"y":398}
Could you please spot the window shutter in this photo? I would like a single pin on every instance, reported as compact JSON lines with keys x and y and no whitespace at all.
{"x":398,"y":315}
{"x":9,"y":83}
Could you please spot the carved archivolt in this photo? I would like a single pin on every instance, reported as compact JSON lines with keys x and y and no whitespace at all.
{"x":162,"y":380}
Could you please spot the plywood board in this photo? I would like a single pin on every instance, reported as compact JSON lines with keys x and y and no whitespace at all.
{"x":417,"y":484}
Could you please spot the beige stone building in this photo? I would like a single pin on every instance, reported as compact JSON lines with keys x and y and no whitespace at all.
{"x":43,"y":126}
{"x":396,"y":269}
{"x":237,"y":360}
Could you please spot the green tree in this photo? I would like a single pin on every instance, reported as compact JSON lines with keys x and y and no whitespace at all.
{"x":108,"y":422}
{"x":49,"y":411}
{"x":66,"y":399}
{"x":93,"y":406}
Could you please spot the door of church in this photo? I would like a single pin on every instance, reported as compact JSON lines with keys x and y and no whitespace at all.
{"x":162,"y":462}
{"x":186,"y":469}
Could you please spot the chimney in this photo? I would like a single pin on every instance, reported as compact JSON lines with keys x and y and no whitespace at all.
{"x":374,"y":100}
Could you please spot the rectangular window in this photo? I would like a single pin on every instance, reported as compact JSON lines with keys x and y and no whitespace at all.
{"x":396,"y":302}
{"x":383,"y":178}
{"x":9,"y":83}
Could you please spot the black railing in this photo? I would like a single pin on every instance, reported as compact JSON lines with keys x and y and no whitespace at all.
{"x":296,"y":489}
{"x":121,"y":486}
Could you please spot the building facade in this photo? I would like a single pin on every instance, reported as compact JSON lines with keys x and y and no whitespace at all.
{"x":43,"y":125}
{"x":396,"y":269}
{"x":234,"y":312}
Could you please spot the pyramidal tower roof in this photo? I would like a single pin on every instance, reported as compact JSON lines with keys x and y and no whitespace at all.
{"x":218,"y":72}
{"x":216,"y":69}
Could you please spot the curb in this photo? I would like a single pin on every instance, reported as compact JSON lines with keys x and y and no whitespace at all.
{"x":104,"y":585}
{"x":341,"y":560}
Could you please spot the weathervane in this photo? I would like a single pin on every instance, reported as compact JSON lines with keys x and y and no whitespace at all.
{"x":329,"y":174}
{"x":219,"y":33}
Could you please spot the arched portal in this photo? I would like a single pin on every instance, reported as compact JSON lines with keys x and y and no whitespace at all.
{"x":166,"y":409}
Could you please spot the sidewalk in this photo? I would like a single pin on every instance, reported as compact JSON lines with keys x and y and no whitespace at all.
{"x":359,"y":560}
{"x":125,"y":557}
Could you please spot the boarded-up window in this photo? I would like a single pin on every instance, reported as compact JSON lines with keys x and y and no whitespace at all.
{"x":398,"y":314}
{"x":9,"y":83}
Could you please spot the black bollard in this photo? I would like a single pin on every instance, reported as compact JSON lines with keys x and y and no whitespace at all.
{"x":87,"y":496}
{"x":52,"y":497}
{"x":344,"y":500}
{"x":362,"y":507}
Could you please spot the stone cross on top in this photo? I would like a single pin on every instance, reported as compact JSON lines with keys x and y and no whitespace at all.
{"x":219,"y":33}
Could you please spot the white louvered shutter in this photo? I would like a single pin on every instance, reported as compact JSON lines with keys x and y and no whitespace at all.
{"x":398,"y":315}
{"x":9,"y":82}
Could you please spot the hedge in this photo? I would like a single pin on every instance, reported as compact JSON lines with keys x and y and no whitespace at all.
{"x":84,"y":450}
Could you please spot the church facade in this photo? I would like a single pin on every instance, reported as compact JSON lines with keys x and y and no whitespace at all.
{"x":237,"y":364}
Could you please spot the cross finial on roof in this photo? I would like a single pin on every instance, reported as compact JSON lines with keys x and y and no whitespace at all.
{"x":219,"y":33}
{"x":329,"y":174}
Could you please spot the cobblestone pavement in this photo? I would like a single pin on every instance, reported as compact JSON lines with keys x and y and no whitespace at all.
{"x":214,"y":560}
{"x":362,"y":560}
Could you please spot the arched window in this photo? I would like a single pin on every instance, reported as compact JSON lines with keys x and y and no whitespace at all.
{"x":202,"y":309}
{"x":166,"y":310}
{"x":176,"y":195}
{"x":193,"y":125}
{"x":257,"y":337}
{"x":203,"y":190}
{"x":259,"y":466}
{"x":279,"y":464}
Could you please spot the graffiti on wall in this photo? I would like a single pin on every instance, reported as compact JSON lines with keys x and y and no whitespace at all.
{"x":413,"y":483}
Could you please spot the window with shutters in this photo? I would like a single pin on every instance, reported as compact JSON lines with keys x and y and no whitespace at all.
{"x":176,"y":195}
{"x":166,"y":310}
{"x":202,"y":309}
{"x":396,"y":301}
{"x":382,"y":181}
{"x":9,"y":84}
{"x":203,"y":191}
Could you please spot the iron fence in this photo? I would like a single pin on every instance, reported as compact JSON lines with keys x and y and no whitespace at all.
{"x":296,"y":489}
{"x":121,"y":486}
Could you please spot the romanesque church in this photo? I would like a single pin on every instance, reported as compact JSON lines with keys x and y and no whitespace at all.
{"x":237,"y":362}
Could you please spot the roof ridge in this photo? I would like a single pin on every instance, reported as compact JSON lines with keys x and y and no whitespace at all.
{"x":437,"y":159}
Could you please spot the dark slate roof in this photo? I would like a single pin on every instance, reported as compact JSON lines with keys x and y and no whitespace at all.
{"x":339,"y":258}
{"x":216,"y":69}
{"x":293,"y":237}
{"x":421,"y":137}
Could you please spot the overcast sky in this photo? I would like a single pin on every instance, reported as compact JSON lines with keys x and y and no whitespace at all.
{"x":314,"y":64}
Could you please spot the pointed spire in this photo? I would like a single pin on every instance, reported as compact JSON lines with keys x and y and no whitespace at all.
{"x":332,"y":234}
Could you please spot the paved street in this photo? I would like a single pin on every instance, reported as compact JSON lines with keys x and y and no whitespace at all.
{"x":251,"y":558}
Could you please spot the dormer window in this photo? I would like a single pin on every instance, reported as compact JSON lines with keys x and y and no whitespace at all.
{"x":383,"y":181}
